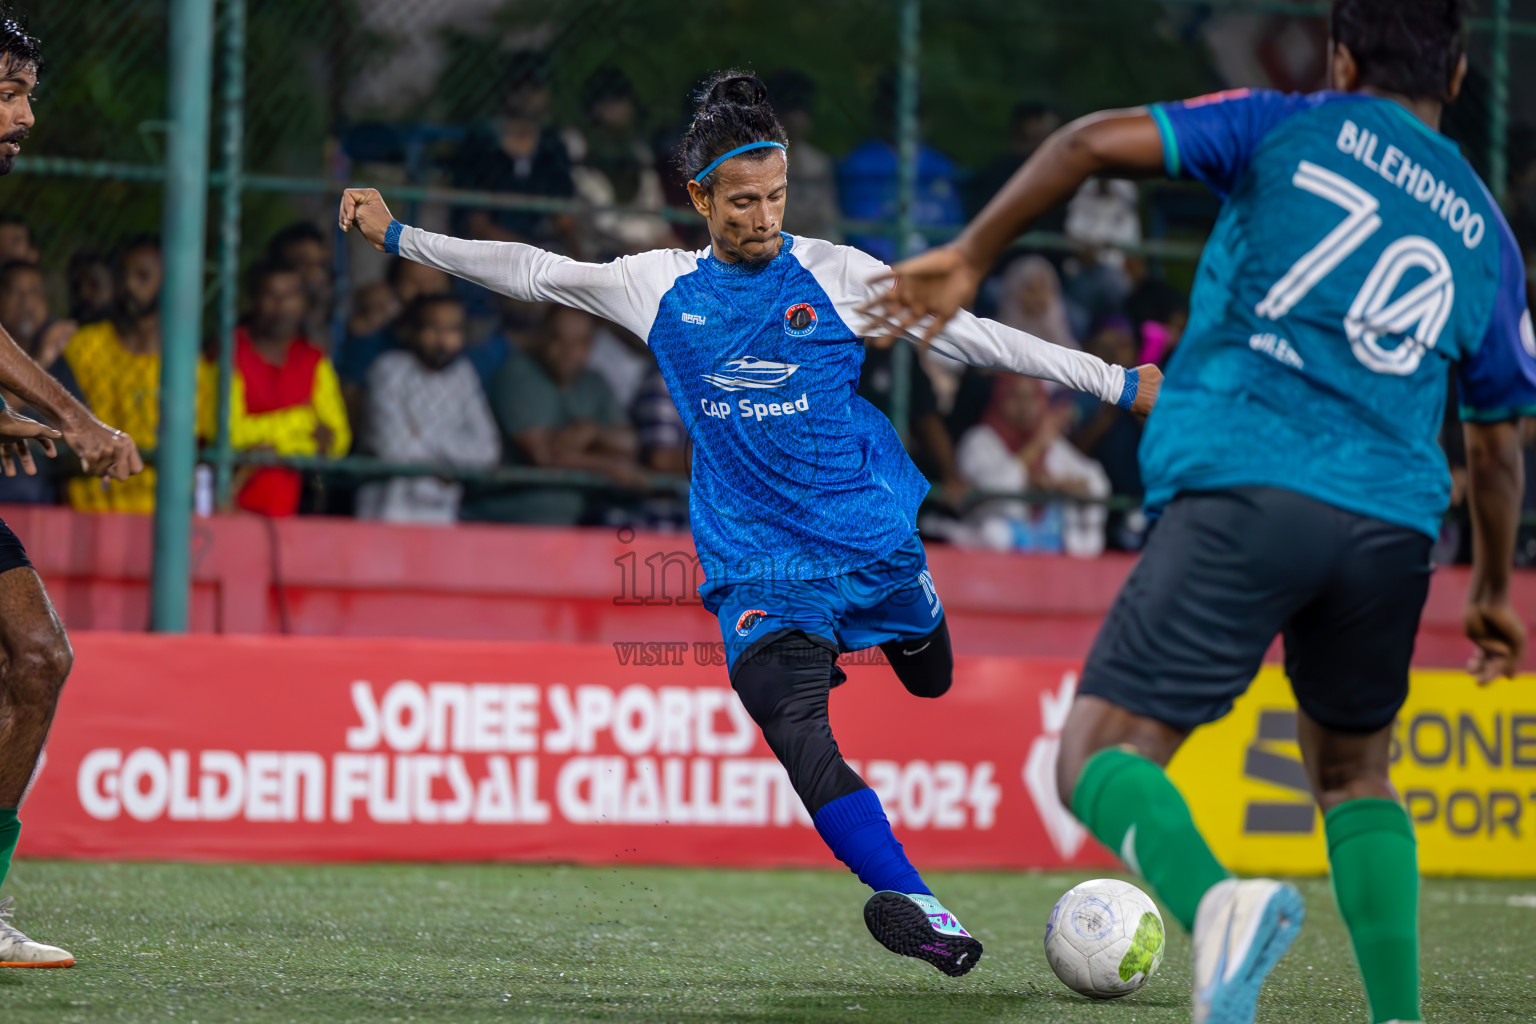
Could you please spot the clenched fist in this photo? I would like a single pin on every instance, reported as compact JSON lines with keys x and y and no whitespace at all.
{"x":365,"y":208}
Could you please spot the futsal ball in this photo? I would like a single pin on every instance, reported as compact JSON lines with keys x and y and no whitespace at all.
{"x":1104,"y":939}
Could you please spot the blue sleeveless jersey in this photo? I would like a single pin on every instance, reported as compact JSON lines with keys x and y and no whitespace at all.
{"x":1357,"y":257}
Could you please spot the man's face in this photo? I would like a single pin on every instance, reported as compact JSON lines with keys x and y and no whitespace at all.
{"x":16,"y":85}
{"x":745,"y":208}
{"x":1025,"y":404}
{"x":567,"y":344}
{"x":440,"y":337}
{"x":16,"y":244}
{"x":139,"y":282}
{"x":279,"y":305}
{"x":94,"y":290}
{"x":416,"y":280}
{"x":309,"y":258}
{"x":617,"y":113}
{"x":23,"y":302}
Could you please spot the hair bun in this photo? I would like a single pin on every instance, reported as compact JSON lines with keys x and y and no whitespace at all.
{"x":736,"y":89}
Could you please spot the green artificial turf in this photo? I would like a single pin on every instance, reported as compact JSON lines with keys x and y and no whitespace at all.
{"x":532,"y":943}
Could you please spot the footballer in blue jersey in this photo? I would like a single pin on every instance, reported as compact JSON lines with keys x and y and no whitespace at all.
{"x":1293,"y":460}
{"x":803,"y":502}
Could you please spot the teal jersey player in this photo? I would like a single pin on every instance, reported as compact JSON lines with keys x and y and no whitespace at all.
{"x":1357,"y":256}
{"x":1358,"y":263}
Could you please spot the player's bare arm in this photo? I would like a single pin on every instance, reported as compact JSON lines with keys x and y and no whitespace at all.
{"x":1496,"y":484}
{"x":103,"y":451}
{"x":929,"y":289}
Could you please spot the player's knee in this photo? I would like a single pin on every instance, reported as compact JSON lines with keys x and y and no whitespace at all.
{"x":40,"y":661}
{"x":926,"y":666}
{"x":1340,"y":783}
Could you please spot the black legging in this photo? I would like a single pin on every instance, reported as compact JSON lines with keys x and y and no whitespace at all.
{"x":783,"y":682}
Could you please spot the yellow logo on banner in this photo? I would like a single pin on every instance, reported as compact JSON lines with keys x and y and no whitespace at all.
{"x":1463,"y":760}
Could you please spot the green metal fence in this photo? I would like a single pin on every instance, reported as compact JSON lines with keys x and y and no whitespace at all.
{"x":149,"y":105}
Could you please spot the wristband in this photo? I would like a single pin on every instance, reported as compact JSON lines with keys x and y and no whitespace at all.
{"x":392,"y":237}
{"x":1128,"y":393}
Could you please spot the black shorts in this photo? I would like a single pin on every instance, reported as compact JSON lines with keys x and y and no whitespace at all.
{"x":1224,"y":571}
{"x":12,"y":554}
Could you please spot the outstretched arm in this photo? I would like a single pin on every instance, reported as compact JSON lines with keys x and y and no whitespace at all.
{"x":933,"y":286}
{"x":103,"y":451}
{"x":626,"y":291}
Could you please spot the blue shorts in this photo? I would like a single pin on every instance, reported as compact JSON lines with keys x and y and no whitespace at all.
{"x":892,"y":599}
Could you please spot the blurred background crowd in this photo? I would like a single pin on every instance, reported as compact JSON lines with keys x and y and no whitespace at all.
{"x":341,"y":351}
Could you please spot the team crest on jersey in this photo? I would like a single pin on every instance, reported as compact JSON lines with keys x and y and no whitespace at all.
{"x":800,"y":320}
{"x":749,"y":620}
{"x":750,"y":372}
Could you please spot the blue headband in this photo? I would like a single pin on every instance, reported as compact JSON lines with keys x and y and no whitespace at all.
{"x":737,"y":152}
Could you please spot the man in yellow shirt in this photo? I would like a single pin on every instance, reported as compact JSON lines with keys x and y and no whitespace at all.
{"x":117,"y":364}
{"x":284,"y":396}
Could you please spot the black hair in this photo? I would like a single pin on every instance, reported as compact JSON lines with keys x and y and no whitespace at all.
{"x":298,"y":231}
{"x":416,"y":311}
{"x":606,"y":83}
{"x":256,"y":277}
{"x":10,"y":220}
{"x":1408,"y":47}
{"x":18,"y":49}
{"x":15,"y":267}
{"x":133,"y":244}
{"x":733,"y":111}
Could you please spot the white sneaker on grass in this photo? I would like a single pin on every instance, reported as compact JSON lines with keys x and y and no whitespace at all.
{"x":16,"y":950}
{"x":1242,"y":929}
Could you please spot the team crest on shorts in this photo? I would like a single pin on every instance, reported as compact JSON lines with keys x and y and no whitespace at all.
{"x":749,"y":620}
{"x":800,"y":320}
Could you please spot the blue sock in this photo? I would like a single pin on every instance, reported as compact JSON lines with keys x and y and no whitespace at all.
{"x":856,"y":829}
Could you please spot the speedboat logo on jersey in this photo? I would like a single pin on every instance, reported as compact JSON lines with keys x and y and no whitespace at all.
{"x":800,"y":320}
{"x":751,"y":372}
{"x":749,"y":620}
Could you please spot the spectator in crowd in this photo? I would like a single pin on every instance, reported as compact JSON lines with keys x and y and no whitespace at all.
{"x":927,"y":441}
{"x":556,"y":413}
{"x":284,"y":396}
{"x":25,"y":314}
{"x":371,"y":327}
{"x":304,"y":247}
{"x":1104,"y":219}
{"x":90,"y":287}
{"x":1030,"y":124}
{"x":867,"y":182}
{"x":613,"y":167}
{"x":1020,"y":446}
{"x":1111,"y":437}
{"x":1030,"y":300}
{"x":664,"y":448}
{"x":519,"y":152}
{"x":1158,"y":313}
{"x":812,"y":173}
{"x":117,"y":364}
{"x":16,"y":242}
{"x":426,"y":405}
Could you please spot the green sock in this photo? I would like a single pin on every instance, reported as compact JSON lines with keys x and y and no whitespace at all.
{"x":1374,"y":857}
{"x":1130,"y":806}
{"x":10,"y":832}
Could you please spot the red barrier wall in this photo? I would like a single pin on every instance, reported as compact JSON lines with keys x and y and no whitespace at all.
{"x":261,"y":748}
{"x":332,"y":577}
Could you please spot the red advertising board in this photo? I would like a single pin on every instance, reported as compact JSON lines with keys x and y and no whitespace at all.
{"x":263,"y":748}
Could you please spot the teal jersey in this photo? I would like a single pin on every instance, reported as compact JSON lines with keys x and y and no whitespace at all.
{"x":1357,"y":258}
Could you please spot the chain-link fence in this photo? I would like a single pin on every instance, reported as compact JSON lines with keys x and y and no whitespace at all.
{"x":556,"y":123}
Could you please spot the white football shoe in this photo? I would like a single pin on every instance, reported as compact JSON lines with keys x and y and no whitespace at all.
{"x":1242,"y":929}
{"x":16,"y":950}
